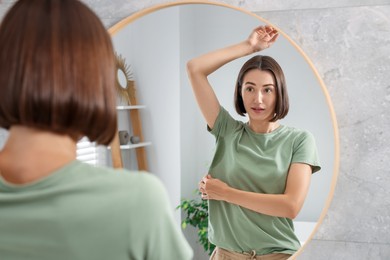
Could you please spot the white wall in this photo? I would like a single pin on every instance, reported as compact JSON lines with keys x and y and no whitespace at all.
{"x":189,"y":116}
{"x":155,"y":63}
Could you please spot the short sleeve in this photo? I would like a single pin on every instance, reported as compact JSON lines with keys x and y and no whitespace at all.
{"x":224,"y":124}
{"x":159,"y":236}
{"x":305,"y":151}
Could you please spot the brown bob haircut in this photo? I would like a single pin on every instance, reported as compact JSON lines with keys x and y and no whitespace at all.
{"x":264,"y":63}
{"x":57,"y":70}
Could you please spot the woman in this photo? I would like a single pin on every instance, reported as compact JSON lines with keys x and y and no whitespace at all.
{"x":57,"y":84}
{"x":261,"y":171}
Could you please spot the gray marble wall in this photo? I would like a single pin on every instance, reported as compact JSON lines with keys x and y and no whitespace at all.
{"x":349,"y":46}
{"x":349,"y":43}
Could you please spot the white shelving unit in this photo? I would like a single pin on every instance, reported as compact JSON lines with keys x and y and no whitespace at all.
{"x":130,"y":107}
{"x":132,"y":146}
{"x":135,"y":129}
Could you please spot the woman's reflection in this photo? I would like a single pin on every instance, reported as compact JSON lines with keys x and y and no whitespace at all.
{"x":261,"y":170}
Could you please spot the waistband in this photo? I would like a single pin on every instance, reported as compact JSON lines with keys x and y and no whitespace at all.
{"x":220,"y":253}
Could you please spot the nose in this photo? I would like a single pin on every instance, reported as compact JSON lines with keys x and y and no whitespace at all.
{"x":258,"y":97}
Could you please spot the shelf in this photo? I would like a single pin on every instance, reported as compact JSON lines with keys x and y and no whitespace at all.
{"x":129,"y":107}
{"x":133,"y":146}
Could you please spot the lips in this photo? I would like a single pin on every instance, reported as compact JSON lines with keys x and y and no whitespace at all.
{"x":257,"y":109}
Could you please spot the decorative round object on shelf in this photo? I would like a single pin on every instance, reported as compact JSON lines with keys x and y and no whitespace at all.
{"x":123,"y":137}
{"x":135,"y":139}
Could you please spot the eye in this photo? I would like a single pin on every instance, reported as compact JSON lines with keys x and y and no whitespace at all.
{"x":249,"y":89}
{"x":268,"y":90}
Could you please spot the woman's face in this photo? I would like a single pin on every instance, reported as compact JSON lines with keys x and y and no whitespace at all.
{"x":259,"y":95}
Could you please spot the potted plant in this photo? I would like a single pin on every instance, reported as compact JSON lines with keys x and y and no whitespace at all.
{"x":197,"y":216}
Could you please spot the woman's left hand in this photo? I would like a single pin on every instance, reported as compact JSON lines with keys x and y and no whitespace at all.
{"x":213,"y":189}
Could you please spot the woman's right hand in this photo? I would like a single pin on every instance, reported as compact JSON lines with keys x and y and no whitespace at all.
{"x":262,"y":37}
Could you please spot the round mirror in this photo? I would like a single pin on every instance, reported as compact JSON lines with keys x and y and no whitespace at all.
{"x":121,"y":77}
{"x":159,"y":41}
{"x":124,"y":80}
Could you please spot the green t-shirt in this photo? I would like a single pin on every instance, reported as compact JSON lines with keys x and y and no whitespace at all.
{"x":86,"y":212}
{"x":255,"y":162}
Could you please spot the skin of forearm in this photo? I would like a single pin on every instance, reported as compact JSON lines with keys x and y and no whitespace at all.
{"x":210,"y":62}
{"x":280,"y":205}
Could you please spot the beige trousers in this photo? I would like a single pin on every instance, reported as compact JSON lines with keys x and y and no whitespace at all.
{"x":222,"y":254}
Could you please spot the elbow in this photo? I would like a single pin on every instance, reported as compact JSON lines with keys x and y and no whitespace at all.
{"x":191,"y":67}
{"x":293,"y":210}
{"x":292,"y":215}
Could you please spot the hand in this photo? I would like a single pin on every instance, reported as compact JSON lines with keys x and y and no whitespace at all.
{"x":262,"y":37}
{"x":213,"y":189}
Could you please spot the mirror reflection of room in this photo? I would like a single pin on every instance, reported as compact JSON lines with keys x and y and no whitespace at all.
{"x":171,"y":118}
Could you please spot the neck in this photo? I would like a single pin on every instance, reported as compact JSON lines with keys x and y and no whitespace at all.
{"x":30,"y":154}
{"x":263,"y":127}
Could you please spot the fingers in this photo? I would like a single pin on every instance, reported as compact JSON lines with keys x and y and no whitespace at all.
{"x":267,"y":30}
{"x":202,"y":189}
{"x":274,"y":38}
{"x":259,"y":28}
{"x":270,"y":30}
{"x":206,"y":178}
{"x":202,"y":185}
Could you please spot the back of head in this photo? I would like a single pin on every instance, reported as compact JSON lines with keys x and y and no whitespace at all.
{"x":57,"y":70}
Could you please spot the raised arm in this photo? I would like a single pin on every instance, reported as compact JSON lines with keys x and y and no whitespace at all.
{"x":200,"y":68}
